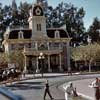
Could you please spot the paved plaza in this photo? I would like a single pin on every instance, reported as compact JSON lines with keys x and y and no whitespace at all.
{"x":84,"y":89}
{"x":33,"y":88}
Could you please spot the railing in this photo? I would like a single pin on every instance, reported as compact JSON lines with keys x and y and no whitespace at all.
{"x":55,"y":48}
{"x":50,"y":48}
{"x":18,"y":26}
{"x":7,"y":95}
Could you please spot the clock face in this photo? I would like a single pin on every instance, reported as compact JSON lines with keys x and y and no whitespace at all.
{"x":37,"y":11}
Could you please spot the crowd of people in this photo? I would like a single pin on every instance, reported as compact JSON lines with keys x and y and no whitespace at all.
{"x":8,"y":73}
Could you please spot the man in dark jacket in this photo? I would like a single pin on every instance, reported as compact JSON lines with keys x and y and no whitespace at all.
{"x":47,"y":90}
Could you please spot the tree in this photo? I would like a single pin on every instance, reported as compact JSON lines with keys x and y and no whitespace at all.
{"x":14,"y":12}
{"x":74,"y":24}
{"x":7,"y":16}
{"x":5,"y":19}
{"x":3,"y":60}
{"x":94,"y":30}
{"x":66,"y":14}
{"x":44,"y":3}
{"x":1,"y":23}
{"x":23,"y":13}
{"x":89,"y":54}
{"x":62,"y":14}
{"x":17,"y":58}
{"x":69,"y":15}
{"x":55,"y":16}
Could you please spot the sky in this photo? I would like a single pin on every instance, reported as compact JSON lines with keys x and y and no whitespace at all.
{"x":91,"y":7}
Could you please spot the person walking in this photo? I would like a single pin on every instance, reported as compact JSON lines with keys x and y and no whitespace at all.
{"x":47,"y":91}
{"x":23,"y":74}
{"x":96,"y":85}
{"x":69,"y":91}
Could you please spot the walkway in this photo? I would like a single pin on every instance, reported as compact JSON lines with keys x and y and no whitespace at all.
{"x":82,"y":86}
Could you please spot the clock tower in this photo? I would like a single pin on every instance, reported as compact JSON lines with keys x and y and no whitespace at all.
{"x":37,"y":22}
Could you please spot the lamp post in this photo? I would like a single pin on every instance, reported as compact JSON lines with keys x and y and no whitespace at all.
{"x":41,"y":58}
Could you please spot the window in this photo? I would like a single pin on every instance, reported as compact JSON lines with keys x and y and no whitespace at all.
{"x":14,"y":46}
{"x":38,"y":27}
{"x":57,"y":34}
{"x":21,"y":46}
{"x":20,"y":35}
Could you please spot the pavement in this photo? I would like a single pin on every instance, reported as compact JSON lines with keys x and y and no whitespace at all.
{"x":83,"y":88}
{"x":81,"y":84}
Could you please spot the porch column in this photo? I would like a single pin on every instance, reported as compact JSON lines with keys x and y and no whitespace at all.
{"x":68,"y":56}
{"x":36,"y":45}
{"x":60,"y":64}
{"x":49,"y":69}
{"x":9,"y":53}
{"x":48,"y":45}
{"x":25,"y":67}
{"x":37,"y":65}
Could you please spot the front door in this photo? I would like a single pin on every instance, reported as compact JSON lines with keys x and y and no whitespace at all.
{"x":32,"y":64}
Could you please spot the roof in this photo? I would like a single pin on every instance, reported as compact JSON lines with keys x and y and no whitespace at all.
{"x":27,"y":33}
{"x":62,"y":32}
{"x":14,"y":34}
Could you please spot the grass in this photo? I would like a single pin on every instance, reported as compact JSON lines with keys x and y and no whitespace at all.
{"x":78,"y":98}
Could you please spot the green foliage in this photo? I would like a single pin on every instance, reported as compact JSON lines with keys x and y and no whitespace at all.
{"x":86,"y":53}
{"x":62,"y":14}
{"x":94,"y":30}
{"x":3,"y":58}
{"x":24,"y":13}
{"x":17,"y":58}
{"x":89,"y":54}
{"x":67,"y":14}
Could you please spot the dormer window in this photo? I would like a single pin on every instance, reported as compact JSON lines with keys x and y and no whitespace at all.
{"x":20,"y":35}
{"x":57,"y":34}
{"x":38,"y":27}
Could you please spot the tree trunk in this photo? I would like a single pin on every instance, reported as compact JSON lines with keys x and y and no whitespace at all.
{"x":90,"y":62}
{"x":89,"y":67}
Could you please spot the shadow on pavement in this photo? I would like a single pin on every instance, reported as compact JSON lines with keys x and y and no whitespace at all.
{"x":58,"y":99}
{"x":44,"y":76}
{"x":55,"y":99}
{"x":25,"y":86}
{"x":30,"y":83}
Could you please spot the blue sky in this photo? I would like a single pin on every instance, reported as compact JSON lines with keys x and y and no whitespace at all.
{"x":92,"y":7}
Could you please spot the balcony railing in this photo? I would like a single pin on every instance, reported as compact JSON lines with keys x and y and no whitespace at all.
{"x":55,"y":48}
{"x":50,"y":48}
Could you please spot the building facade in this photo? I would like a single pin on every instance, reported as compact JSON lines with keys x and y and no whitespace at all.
{"x":43,"y":48}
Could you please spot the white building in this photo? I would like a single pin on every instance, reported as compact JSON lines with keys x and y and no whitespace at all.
{"x":46,"y":49}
